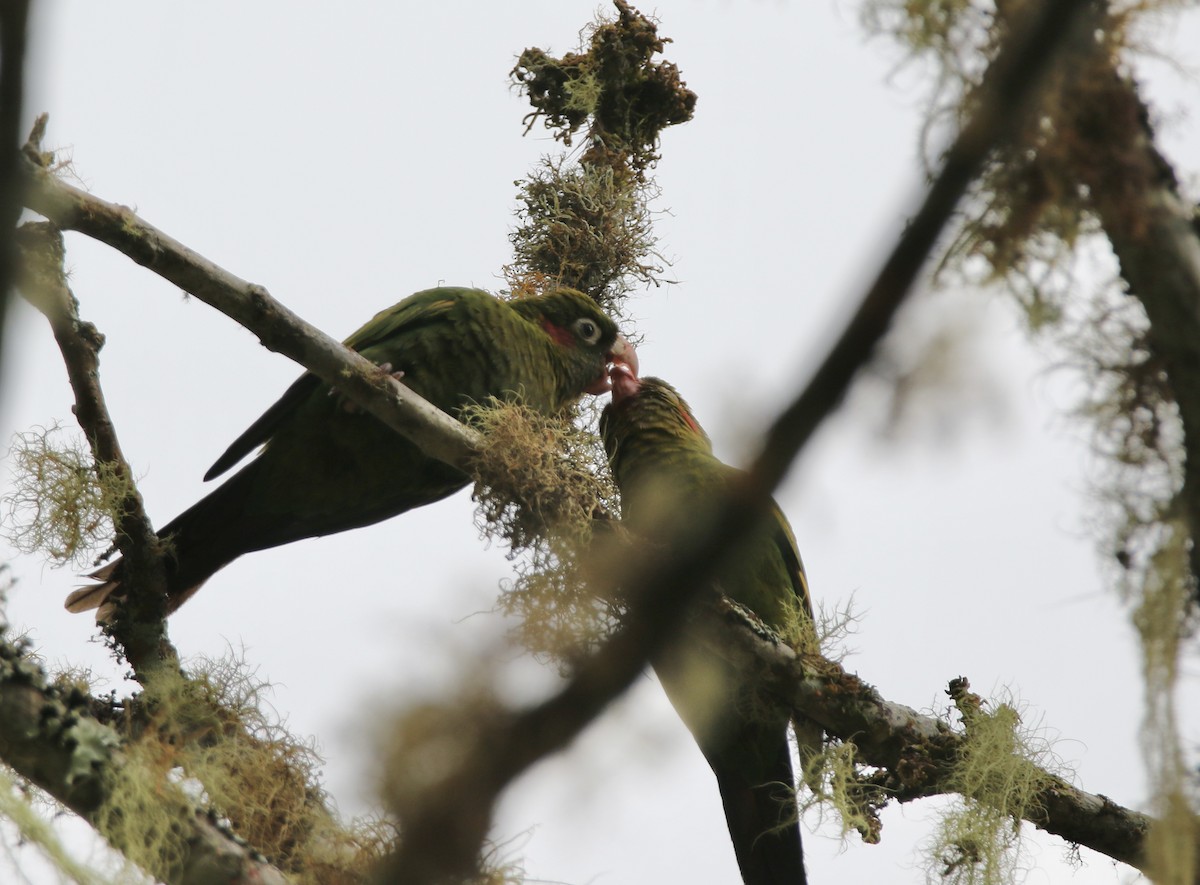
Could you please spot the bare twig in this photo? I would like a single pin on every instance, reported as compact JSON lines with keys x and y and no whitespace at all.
{"x":49,"y":737}
{"x":278,"y":328}
{"x":139,"y":625}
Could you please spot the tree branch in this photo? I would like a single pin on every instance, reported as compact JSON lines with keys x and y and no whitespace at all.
{"x":278,"y":328}
{"x":139,"y":625}
{"x":14,"y":16}
{"x":50,"y":738}
{"x":916,"y":750}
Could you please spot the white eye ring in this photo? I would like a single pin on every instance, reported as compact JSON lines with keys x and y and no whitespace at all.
{"x":588,"y":330}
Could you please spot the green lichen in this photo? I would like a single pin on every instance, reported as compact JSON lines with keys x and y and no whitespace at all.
{"x":542,"y":484}
{"x":586,"y":228}
{"x":839,"y":785}
{"x":18,"y":806}
{"x":62,"y":504}
{"x":1000,"y":769}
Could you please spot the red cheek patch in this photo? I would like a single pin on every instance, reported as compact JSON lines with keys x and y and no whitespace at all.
{"x":558,"y":333}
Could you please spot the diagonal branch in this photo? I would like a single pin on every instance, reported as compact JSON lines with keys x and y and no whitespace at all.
{"x":916,"y":750}
{"x":278,"y":328}
{"x":139,"y":626}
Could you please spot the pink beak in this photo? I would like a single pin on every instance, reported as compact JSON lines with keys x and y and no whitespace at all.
{"x":624,"y":362}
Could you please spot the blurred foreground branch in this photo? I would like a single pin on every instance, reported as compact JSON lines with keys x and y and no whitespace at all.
{"x":445,"y":813}
{"x":1154,"y":234}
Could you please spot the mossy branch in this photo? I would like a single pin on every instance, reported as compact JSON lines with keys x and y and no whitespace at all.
{"x":250,"y":305}
{"x":139,"y":624}
{"x":49,"y":736}
{"x":918,"y":752}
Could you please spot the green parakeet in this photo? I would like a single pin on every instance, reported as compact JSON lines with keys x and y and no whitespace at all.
{"x":665,"y":468}
{"x":327,"y":467}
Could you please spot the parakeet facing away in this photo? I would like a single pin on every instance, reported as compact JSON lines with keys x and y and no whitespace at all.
{"x":664,"y":466}
{"x":326,"y":467}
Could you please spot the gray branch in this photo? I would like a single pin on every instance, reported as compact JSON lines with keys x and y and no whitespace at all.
{"x":278,"y":328}
{"x":139,"y":625}
{"x":916,"y":750}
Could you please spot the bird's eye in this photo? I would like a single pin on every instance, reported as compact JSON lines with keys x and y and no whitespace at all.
{"x":587,"y":330}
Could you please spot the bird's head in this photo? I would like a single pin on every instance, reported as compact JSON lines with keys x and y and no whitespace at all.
{"x":575,"y":322}
{"x":645,"y":407}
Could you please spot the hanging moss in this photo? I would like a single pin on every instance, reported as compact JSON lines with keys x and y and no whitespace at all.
{"x":62,"y":504}
{"x":541,"y":484}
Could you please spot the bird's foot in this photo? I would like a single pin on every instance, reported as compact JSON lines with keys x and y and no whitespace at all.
{"x":348,"y":405}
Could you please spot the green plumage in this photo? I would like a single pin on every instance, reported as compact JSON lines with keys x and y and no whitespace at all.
{"x":325,"y":468}
{"x":664,"y":466}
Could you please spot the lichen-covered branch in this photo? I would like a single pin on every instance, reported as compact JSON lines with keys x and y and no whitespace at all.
{"x":139,"y":623}
{"x":278,"y":328}
{"x":49,"y":736}
{"x":916,"y":750}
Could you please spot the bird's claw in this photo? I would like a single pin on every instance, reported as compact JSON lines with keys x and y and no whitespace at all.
{"x":348,"y":405}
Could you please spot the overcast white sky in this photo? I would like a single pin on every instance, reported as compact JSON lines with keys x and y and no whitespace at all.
{"x":347,"y":158}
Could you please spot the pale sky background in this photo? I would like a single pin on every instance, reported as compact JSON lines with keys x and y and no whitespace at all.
{"x":347,"y":158}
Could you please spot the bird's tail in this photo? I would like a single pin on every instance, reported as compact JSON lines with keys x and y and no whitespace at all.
{"x":96,"y":596}
{"x":761,"y":811}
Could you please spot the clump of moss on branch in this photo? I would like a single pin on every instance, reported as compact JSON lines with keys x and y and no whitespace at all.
{"x":206,"y":742}
{"x":587,"y":225}
{"x":542,"y":486}
{"x":615,"y":88}
{"x":1001,"y":767}
{"x":585,"y":228}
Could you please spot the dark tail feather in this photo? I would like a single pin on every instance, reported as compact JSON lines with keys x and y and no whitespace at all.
{"x":762,"y":816}
{"x":199,"y":542}
{"x":92,"y":596}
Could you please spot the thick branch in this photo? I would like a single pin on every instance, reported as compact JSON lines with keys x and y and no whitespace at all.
{"x":48,"y":736}
{"x":252,"y":306}
{"x":916,"y":750}
{"x":140,"y":622}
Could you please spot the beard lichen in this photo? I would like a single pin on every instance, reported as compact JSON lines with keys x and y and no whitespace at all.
{"x":1001,"y":767}
{"x":584,"y":227}
{"x":543,"y":487}
{"x":63,"y":503}
{"x":206,"y":742}
{"x":18,"y":807}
